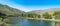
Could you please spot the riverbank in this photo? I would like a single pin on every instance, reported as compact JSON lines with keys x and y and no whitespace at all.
{"x":45,"y":19}
{"x":5,"y":24}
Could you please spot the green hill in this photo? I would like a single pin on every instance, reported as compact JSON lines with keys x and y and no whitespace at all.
{"x":9,"y":10}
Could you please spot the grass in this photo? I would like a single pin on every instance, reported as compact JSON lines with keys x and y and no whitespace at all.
{"x":1,"y":21}
{"x":5,"y":24}
{"x":8,"y":24}
{"x":45,"y":19}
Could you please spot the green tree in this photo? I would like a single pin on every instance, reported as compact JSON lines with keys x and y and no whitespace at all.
{"x":33,"y":15}
{"x":39,"y":16}
{"x":47,"y":16}
{"x":30,"y":15}
{"x":56,"y":14}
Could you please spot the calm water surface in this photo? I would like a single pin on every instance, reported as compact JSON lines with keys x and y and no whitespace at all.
{"x":26,"y":22}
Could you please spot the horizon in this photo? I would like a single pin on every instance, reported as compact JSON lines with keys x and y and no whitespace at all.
{"x":29,"y":5}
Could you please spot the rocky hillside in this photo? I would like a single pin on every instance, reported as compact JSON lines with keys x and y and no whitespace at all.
{"x":9,"y":10}
{"x":50,"y":11}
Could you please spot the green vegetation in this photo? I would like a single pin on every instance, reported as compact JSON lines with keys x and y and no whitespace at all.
{"x":2,"y":22}
{"x":33,"y":15}
{"x":47,"y":16}
{"x":10,"y":11}
{"x":56,"y":13}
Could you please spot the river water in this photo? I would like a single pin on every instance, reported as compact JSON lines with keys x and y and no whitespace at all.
{"x":26,"y":22}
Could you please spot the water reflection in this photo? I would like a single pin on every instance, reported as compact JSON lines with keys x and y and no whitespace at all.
{"x":25,"y":22}
{"x":57,"y":23}
{"x":47,"y":23}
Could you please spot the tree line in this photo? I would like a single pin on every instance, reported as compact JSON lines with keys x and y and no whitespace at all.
{"x":35,"y":15}
{"x":45,"y":15}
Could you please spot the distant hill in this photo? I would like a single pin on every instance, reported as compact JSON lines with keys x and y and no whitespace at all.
{"x":50,"y":11}
{"x":9,"y":10}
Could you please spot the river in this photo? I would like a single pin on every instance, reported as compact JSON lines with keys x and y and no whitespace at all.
{"x":26,"y":22}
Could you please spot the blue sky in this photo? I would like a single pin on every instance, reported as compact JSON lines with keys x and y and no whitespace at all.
{"x":29,"y":5}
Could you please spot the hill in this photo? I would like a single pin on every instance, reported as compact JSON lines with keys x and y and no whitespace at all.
{"x":9,"y":10}
{"x":50,"y":11}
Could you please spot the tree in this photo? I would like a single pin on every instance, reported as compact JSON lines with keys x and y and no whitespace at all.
{"x":39,"y":16}
{"x":33,"y":15}
{"x":47,"y":16}
{"x":57,"y":14}
{"x":2,"y":15}
{"x":30,"y":15}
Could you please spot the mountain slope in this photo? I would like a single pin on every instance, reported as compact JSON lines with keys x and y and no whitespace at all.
{"x":9,"y":10}
{"x":51,"y":11}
